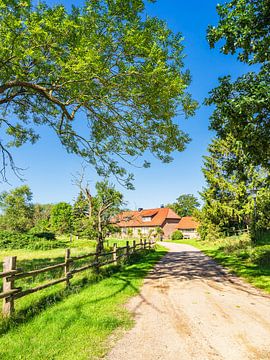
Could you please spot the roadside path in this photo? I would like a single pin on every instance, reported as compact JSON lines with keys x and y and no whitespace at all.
{"x":190,"y":308}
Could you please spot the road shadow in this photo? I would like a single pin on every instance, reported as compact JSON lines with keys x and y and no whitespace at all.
{"x":194,"y":265}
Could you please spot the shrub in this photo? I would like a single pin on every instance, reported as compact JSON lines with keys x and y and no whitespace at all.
{"x":44,"y":234}
{"x":13,"y":240}
{"x":177,"y":235}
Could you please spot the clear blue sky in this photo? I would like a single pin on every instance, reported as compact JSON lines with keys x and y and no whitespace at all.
{"x":49,"y":167}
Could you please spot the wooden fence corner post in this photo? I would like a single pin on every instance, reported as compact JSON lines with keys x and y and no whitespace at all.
{"x":115,"y":254}
{"x":67,"y":264}
{"x":8,"y":303}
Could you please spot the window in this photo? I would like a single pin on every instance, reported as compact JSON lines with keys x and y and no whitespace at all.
{"x":146,"y":218}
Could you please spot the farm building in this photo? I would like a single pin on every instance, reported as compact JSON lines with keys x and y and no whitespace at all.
{"x":145,"y":221}
{"x":188,"y":226}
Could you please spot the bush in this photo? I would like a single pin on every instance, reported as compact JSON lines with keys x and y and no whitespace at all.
{"x":177,"y":235}
{"x":44,"y":234}
{"x":13,"y":240}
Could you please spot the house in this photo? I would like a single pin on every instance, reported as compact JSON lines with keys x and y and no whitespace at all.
{"x":188,"y":226}
{"x":145,"y":221}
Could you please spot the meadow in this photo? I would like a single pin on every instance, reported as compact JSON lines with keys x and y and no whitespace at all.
{"x":73,"y":323}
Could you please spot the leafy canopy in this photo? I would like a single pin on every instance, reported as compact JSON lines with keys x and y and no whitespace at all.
{"x":17,"y":209}
{"x":61,"y":218}
{"x":242,"y":107}
{"x":227,"y":196}
{"x":104,"y":77}
{"x":185,"y":205}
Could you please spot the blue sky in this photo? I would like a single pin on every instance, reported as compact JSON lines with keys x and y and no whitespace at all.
{"x":49,"y":168}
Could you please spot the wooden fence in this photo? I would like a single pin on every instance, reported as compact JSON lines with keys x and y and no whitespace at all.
{"x":11,"y":273}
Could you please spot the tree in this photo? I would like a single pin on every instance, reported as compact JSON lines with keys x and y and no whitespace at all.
{"x":184,"y":205}
{"x":81,"y":215}
{"x":41,"y":218}
{"x":96,"y":213}
{"x":105,"y":66}
{"x":106,"y":205}
{"x":17,"y":209}
{"x":61,"y":218}
{"x":230,"y":177}
{"x":242,"y":107}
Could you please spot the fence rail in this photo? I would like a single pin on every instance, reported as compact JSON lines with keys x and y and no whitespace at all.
{"x":11,"y":273}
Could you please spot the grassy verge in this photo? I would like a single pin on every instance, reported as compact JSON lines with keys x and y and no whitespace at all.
{"x":241,"y":257}
{"x":78,"y":326}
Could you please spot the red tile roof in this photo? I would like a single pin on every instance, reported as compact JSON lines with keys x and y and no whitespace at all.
{"x":187,"y":222}
{"x":135,"y":218}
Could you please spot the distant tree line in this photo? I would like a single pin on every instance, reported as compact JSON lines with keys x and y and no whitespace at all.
{"x":87,"y":217}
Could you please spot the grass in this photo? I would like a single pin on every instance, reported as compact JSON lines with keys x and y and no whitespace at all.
{"x":76,"y":323}
{"x":242,"y":257}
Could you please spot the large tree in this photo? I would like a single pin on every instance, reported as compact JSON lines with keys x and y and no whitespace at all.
{"x":230,"y":179}
{"x":93,"y":214}
{"x":61,"y":219}
{"x":17,"y":209}
{"x":242,"y":107}
{"x":105,"y":77}
{"x":107,"y":204}
{"x":185,"y":205}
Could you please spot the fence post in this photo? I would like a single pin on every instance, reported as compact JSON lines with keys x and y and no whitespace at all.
{"x":141,"y":244}
{"x":8,"y":303}
{"x":134,"y":246}
{"x":115,"y":254}
{"x":127,"y":251}
{"x":149,"y":244}
{"x":67,"y":263}
{"x":144,"y":244}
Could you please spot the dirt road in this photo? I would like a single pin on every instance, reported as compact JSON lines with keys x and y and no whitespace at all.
{"x":190,"y":308}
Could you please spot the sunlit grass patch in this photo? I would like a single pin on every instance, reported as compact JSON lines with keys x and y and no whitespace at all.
{"x":75,"y":324}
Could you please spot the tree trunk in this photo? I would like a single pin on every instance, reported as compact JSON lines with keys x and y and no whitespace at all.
{"x":100,"y":244}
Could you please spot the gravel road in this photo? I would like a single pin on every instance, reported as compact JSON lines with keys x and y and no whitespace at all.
{"x":191,"y":308}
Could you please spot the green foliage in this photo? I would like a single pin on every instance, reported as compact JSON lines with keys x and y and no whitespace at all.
{"x":80,"y":216}
{"x":42,"y":213}
{"x":12,"y":240}
{"x":107,"y":60}
{"x":242,"y":106}
{"x":17,"y":208}
{"x":184,"y":205}
{"x":106,"y":204}
{"x":177,"y":235}
{"x":244,"y":26}
{"x":61,"y":218}
{"x":227,"y":201}
{"x":242,"y":109}
{"x":130,"y":232}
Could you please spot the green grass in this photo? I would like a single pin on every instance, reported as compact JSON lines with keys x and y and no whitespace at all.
{"x":243,"y":258}
{"x":76,"y":323}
